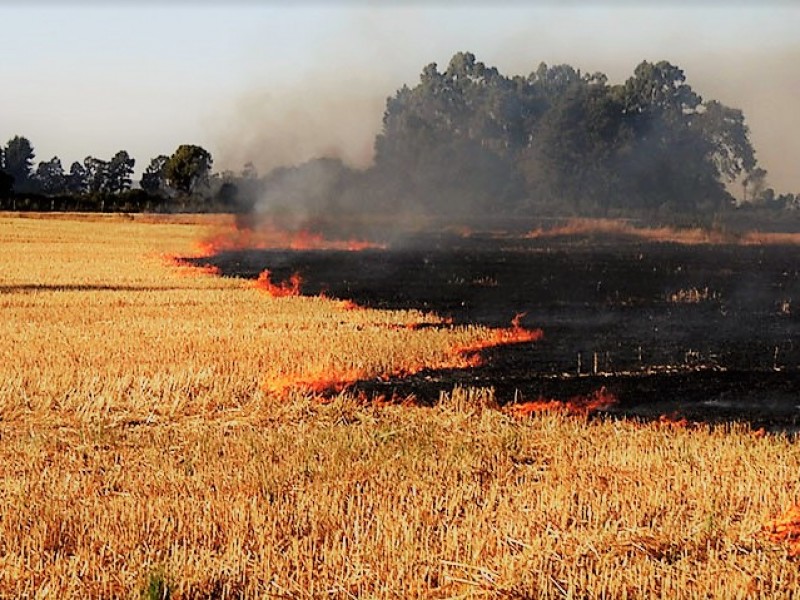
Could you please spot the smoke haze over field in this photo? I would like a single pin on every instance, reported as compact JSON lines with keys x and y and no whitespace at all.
{"x":275,"y":83}
{"x":334,"y":108}
{"x":273,"y":128}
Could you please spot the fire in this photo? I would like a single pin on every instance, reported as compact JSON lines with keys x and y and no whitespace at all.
{"x":281,"y":290}
{"x":516,"y":334}
{"x":674,"y":420}
{"x":188,"y":268}
{"x":316,"y":382}
{"x":269,"y":236}
{"x":786,"y":528}
{"x":331,"y":379}
{"x":601,"y":399}
{"x":350,"y":305}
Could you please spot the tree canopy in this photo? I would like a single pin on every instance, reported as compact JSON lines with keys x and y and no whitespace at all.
{"x":188,"y":168}
{"x":470,"y":137}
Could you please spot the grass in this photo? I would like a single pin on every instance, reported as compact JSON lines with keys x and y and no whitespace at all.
{"x":145,"y":452}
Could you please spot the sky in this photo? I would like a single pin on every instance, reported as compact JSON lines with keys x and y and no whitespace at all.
{"x":279,"y":83}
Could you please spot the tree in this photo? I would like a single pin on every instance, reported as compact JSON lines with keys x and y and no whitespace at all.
{"x":729,"y":146}
{"x":755,"y":183}
{"x":96,"y":171}
{"x":50,"y":176}
{"x":77,"y":180}
{"x":19,"y":157}
{"x":6,"y":184}
{"x":119,"y":171}
{"x":153,"y":180}
{"x":188,"y":168}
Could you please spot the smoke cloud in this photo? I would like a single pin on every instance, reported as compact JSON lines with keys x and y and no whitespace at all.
{"x":317,"y":118}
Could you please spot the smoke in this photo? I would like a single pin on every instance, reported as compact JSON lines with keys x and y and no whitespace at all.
{"x":765,"y":84}
{"x":316,"y":118}
{"x":333,"y":108}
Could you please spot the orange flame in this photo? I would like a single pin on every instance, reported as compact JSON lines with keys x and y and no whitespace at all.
{"x":350,"y":305}
{"x":502,"y":337}
{"x":281,"y":290}
{"x":786,"y":528}
{"x":601,"y":399}
{"x":320,"y":381}
{"x":674,"y":420}
{"x":190,"y":269}
{"x":271,"y":237}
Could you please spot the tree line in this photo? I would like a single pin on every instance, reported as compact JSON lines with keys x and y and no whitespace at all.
{"x":180,"y":181}
{"x":468,"y":140}
{"x":558,"y":140}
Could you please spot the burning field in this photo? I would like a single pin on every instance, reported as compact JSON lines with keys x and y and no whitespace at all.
{"x":191,"y":410}
{"x":670,"y":322}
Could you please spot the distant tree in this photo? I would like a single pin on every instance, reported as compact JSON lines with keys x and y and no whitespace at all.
{"x":570,"y":160}
{"x":249,"y":171}
{"x":6,"y":184}
{"x":119,"y":171}
{"x":754,"y":183}
{"x":727,"y":136}
{"x":96,"y":175}
{"x":153,"y":180}
{"x":18,"y":160}
{"x":77,"y":180}
{"x":50,"y":177}
{"x":6,"y":180}
{"x":188,"y":168}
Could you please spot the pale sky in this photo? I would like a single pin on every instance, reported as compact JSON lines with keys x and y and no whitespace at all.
{"x":279,"y":82}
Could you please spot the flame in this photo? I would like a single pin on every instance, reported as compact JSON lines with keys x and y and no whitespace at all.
{"x":786,"y":528}
{"x":281,"y":290}
{"x":350,"y":305}
{"x":187,"y":268}
{"x":317,"y":382}
{"x":674,"y":420}
{"x":331,"y":379}
{"x":516,"y":334}
{"x":601,"y":399}
{"x":271,"y":237}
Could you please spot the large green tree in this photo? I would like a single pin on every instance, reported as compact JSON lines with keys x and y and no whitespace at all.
{"x":188,"y":168}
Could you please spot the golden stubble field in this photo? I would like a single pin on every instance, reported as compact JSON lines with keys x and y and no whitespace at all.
{"x":151,"y":447}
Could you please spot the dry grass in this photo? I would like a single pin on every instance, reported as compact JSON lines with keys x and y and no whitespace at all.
{"x":141,"y":450}
{"x":688,"y":236}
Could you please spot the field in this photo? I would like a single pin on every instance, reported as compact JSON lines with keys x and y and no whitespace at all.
{"x":169,"y":432}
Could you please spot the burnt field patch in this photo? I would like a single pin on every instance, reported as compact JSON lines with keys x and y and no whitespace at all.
{"x":705,"y":331}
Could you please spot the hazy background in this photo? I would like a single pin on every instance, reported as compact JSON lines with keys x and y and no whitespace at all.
{"x":278,"y":83}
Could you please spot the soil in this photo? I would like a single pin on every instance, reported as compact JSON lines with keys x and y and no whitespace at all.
{"x":702,"y":331}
